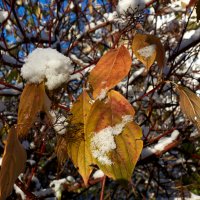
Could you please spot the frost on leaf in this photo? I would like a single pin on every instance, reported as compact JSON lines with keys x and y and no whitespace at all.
{"x":103,"y":142}
{"x":47,"y":64}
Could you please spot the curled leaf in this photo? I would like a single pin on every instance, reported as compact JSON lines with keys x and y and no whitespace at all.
{"x":13,"y":163}
{"x":31,"y":103}
{"x":110,"y":70}
{"x":190,"y":105}
{"x":147,"y":49}
{"x":113,"y":137}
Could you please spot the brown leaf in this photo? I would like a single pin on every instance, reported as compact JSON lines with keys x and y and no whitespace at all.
{"x":147,"y":49}
{"x":113,"y":137}
{"x":31,"y":103}
{"x":190,"y":105}
{"x":110,"y":70}
{"x":13,"y":163}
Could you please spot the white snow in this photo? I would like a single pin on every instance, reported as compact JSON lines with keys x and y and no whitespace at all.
{"x":102,"y":94}
{"x":46,"y":64}
{"x":160,"y":146}
{"x":3,"y":15}
{"x":103,"y":141}
{"x":59,"y":122}
{"x":130,"y":6}
{"x":98,"y":174}
{"x":56,"y":185}
{"x":20,"y":192}
{"x":189,"y":37}
{"x":147,"y":51}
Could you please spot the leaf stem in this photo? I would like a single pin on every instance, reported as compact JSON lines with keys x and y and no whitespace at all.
{"x":103,"y":188}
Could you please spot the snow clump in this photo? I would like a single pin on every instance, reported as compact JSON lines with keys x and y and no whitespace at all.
{"x":103,"y":142}
{"x":130,"y":6}
{"x":3,"y":15}
{"x":47,"y":65}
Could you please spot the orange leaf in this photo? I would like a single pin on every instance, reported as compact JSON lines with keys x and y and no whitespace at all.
{"x":147,"y":49}
{"x":110,"y":70}
{"x":31,"y":103}
{"x":114,"y":139}
{"x":77,"y":147}
{"x":13,"y":163}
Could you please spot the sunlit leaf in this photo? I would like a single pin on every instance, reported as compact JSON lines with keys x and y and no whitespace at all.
{"x":110,"y":125}
{"x":77,"y":147}
{"x":190,"y":104}
{"x":61,"y":150}
{"x":110,"y":70}
{"x":31,"y":103}
{"x":147,"y":49}
{"x":13,"y":163}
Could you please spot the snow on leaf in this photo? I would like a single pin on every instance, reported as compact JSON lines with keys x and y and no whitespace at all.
{"x":147,"y":49}
{"x":190,"y":105}
{"x":31,"y":103}
{"x":77,"y":148}
{"x":13,"y":164}
{"x":101,"y":147}
{"x":113,"y":137}
{"x":110,"y":70}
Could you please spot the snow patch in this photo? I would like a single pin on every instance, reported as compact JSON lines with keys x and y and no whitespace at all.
{"x":3,"y":15}
{"x":57,"y":186}
{"x":59,"y":122}
{"x":98,"y":174}
{"x":103,"y":142}
{"x":20,"y":192}
{"x":130,"y":6}
{"x":160,"y":146}
{"x":147,"y":51}
{"x":46,"y":64}
{"x":102,"y":94}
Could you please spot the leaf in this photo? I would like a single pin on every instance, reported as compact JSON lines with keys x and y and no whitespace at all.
{"x":190,"y":105}
{"x":110,"y":70}
{"x":77,"y":148}
{"x":61,"y":150}
{"x":13,"y":163}
{"x":31,"y":103}
{"x":110,"y":123}
{"x":147,"y":49}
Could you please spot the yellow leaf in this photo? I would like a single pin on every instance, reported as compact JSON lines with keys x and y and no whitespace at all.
{"x":147,"y":49}
{"x":110,"y":70}
{"x":77,"y":148}
{"x":113,"y":137}
{"x":31,"y":103}
{"x":61,"y":150}
{"x":13,"y":163}
{"x":190,"y":105}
